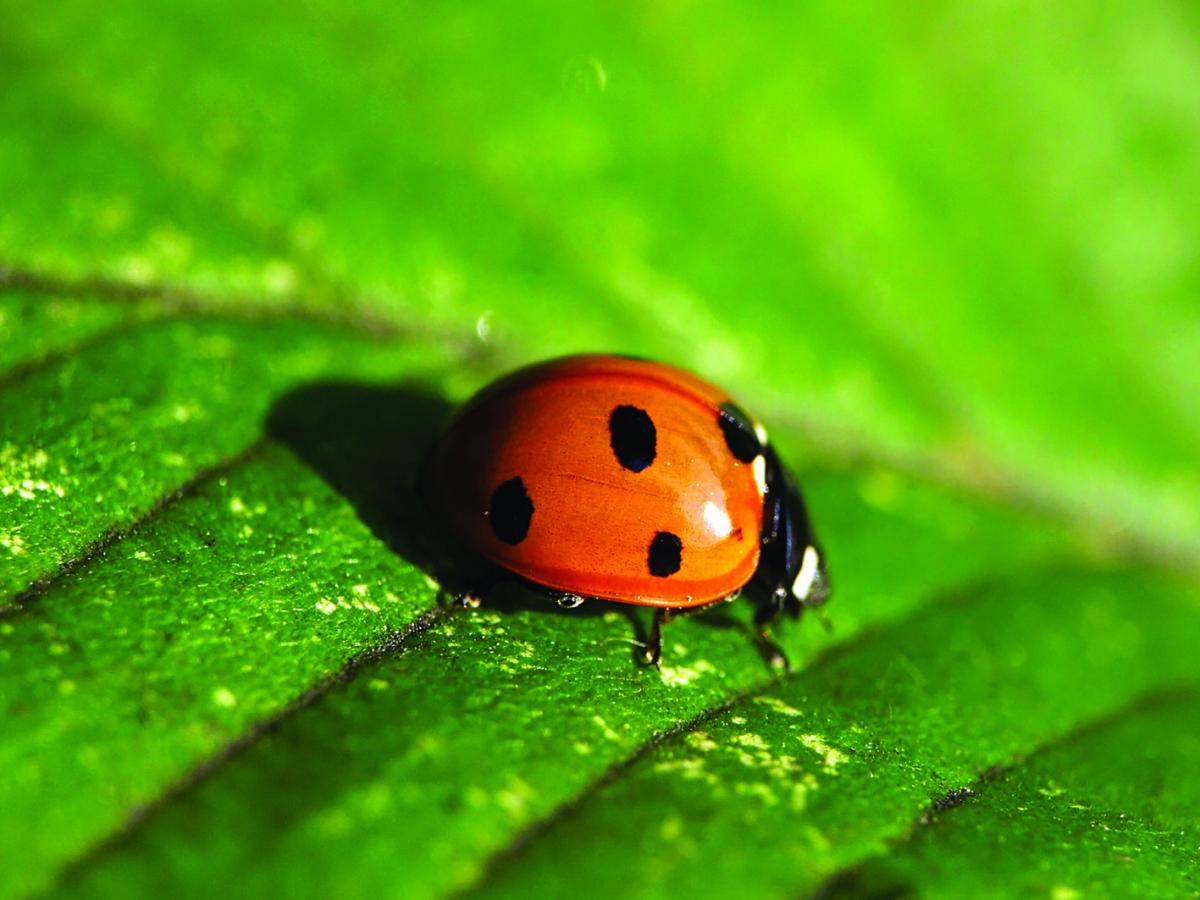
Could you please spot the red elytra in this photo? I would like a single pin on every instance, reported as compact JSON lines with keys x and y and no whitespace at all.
{"x":627,"y":480}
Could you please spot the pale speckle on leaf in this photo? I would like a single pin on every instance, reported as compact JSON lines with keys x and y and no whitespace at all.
{"x":515,"y":797}
{"x":690,"y":768}
{"x":606,"y":729}
{"x":23,"y":475}
{"x":758,"y":790}
{"x":754,"y":741}
{"x":671,"y":828}
{"x":184,"y":412}
{"x":831,"y":757}
{"x":13,"y":543}
{"x":777,"y":705}
{"x":279,"y":277}
{"x":679,"y":676}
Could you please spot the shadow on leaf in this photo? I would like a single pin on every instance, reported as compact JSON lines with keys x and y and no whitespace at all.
{"x":367,"y":443}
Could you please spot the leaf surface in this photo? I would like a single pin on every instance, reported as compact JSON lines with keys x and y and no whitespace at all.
{"x":250,"y":257}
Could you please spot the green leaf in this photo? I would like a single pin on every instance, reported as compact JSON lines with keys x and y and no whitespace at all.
{"x":1134,"y":833}
{"x":35,"y":328}
{"x":489,"y":720}
{"x":253,"y":253}
{"x":820,"y":771}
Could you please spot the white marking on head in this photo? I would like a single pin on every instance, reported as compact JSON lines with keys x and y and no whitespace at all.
{"x":803,"y":584}
{"x":760,"y":433}
{"x":717,"y":520}
{"x":760,"y":474}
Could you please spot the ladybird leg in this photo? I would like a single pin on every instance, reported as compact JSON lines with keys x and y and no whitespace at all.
{"x":653,"y":652}
{"x":665,"y":614}
{"x":764,"y":617}
{"x":473,"y":597}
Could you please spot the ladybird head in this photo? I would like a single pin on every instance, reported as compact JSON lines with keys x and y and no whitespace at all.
{"x":792,"y":565}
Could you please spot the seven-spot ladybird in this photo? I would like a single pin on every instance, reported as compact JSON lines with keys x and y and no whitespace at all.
{"x":622,"y":479}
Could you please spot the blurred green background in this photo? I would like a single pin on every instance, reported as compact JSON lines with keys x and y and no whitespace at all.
{"x":251,"y":253}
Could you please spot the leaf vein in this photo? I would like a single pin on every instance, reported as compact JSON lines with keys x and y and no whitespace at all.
{"x":117,"y":533}
{"x":179,"y":300}
{"x":843,"y":881}
{"x":964,"y":593}
{"x":395,"y":641}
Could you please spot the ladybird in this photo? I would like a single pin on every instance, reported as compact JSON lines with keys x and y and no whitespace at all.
{"x":621,"y":479}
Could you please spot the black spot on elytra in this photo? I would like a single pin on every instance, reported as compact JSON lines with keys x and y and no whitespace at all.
{"x":739,"y":433}
{"x":511,"y":511}
{"x":633,"y":437}
{"x":665,"y":552}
